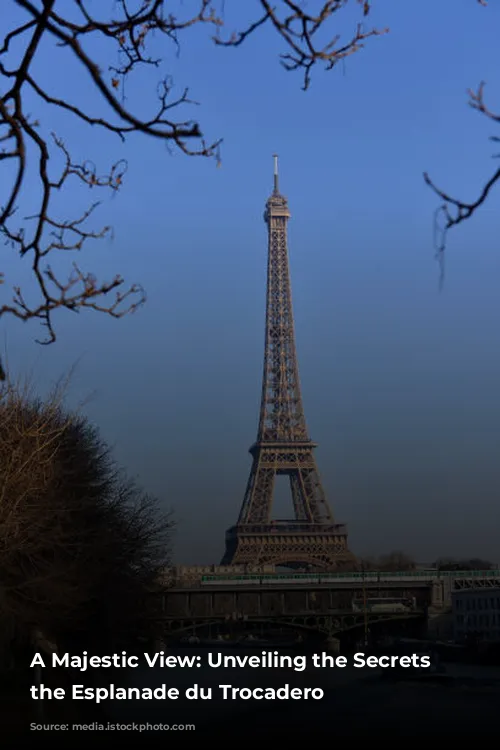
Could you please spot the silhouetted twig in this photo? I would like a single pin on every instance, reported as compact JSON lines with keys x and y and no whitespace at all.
{"x":125,"y":34}
{"x":454,"y":211}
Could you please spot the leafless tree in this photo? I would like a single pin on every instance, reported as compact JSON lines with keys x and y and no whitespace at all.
{"x":81,"y":546}
{"x":396,"y":560}
{"x":473,"y":563}
{"x":129,"y":33}
{"x":386,"y":563}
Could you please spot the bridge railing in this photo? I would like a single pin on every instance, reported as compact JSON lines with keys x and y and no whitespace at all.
{"x":352,"y":577}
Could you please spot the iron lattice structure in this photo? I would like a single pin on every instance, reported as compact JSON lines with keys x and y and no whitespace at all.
{"x":312,"y":539}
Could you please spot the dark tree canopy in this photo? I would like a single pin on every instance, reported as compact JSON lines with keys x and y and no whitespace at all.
{"x":473,"y":563}
{"x":131,"y":35}
{"x":81,"y":546}
{"x":392,"y":561}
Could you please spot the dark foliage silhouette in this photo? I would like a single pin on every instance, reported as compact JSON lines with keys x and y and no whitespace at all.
{"x":81,"y":546}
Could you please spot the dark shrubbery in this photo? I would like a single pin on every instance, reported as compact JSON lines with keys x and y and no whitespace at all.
{"x":81,"y":546}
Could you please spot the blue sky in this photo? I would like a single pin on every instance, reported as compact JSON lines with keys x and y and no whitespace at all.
{"x":400,"y":381}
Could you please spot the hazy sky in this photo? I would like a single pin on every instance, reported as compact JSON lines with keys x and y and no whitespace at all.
{"x":400,"y":381}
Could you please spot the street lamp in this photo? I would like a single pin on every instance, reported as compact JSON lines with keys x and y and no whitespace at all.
{"x":365,"y":610}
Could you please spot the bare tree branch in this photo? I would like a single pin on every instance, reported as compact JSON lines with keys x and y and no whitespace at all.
{"x":299,"y":30}
{"x":454,"y":211}
{"x":127,"y":32}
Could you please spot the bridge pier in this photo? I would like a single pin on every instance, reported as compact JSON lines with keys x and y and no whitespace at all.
{"x":441,"y":594}
{"x":439,"y":617}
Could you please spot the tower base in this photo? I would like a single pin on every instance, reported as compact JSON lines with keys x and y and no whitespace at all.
{"x":292,"y":544}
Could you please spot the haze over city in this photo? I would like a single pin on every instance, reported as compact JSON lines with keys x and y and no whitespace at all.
{"x":399,"y":379}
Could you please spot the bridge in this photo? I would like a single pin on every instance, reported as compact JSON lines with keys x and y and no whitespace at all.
{"x":319,"y":602}
{"x":329,"y":624}
{"x":315,"y":608}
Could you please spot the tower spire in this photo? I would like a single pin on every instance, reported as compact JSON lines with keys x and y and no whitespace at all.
{"x":283,"y":445}
{"x":275,"y":157}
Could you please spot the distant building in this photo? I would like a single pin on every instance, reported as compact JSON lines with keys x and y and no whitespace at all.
{"x":476,"y":614}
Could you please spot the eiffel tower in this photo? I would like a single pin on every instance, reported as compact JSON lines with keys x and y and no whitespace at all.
{"x":312,"y":540}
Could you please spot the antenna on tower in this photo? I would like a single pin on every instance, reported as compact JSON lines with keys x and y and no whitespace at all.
{"x":275,"y":157}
